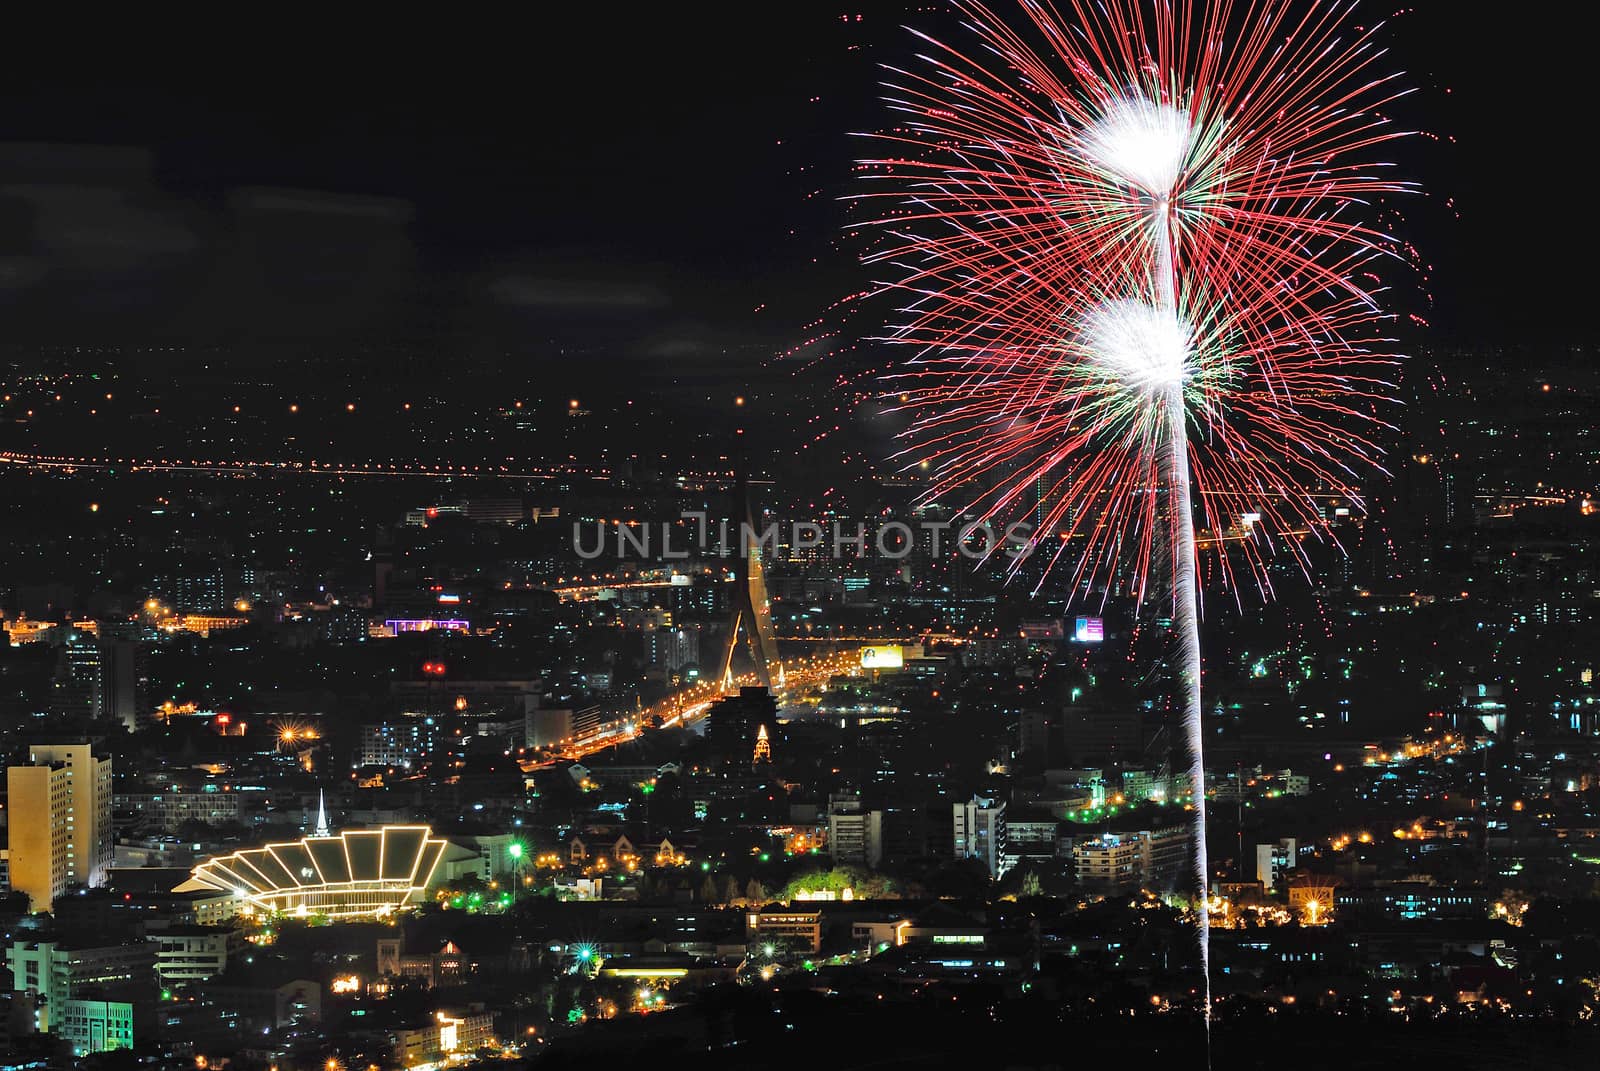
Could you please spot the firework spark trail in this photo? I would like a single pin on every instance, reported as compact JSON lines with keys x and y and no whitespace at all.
{"x":1186,"y":622}
{"x":1147,"y":144}
{"x":1137,"y":268}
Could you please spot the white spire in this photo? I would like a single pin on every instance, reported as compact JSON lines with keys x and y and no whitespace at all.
{"x":322,"y":829}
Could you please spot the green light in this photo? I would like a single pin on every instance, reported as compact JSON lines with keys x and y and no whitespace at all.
{"x":166,"y":994}
{"x":765,"y":857}
{"x":514,"y":850}
{"x":647,"y":789}
{"x":705,"y":866}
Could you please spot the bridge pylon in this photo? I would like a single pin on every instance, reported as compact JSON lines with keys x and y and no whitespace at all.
{"x":750,"y":608}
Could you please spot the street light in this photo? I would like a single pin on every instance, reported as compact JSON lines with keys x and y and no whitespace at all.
{"x":515,"y":850}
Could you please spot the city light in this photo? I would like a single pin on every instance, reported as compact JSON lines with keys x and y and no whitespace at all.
{"x":419,"y":656}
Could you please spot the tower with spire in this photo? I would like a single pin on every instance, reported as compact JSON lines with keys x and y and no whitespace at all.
{"x":322,"y":828}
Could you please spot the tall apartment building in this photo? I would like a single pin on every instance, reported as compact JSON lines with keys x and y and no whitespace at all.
{"x":854,"y":835}
{"x":76,"y":692}
{"x":37,"y":859}
{"x":60,"y":821}
{"x":123,"y":682}
{"x":980,"y":832}
{"x":1273,"y":860}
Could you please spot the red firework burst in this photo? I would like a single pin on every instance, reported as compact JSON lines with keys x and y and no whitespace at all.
{"x":1218,"y":161}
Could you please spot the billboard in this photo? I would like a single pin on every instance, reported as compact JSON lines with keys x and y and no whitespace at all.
{"x":883,"y":657}
{"x":1088,"y":630}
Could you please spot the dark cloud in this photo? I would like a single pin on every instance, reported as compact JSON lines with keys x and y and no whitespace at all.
{"x":578,"y":294}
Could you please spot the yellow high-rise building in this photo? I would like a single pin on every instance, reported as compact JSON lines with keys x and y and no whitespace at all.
{"x":60,"y":821}
{"x":38,"y":825}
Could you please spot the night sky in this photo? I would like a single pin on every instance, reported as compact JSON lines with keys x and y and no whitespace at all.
{"x":654,"y":186}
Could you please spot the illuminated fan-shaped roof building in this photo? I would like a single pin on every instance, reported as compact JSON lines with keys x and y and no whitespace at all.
{"x":359,"y":873}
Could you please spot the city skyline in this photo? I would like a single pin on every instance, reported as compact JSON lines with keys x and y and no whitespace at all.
{"x":516,"y":557}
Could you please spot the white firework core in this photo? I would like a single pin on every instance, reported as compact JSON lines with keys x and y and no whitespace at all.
{"x":1140,"y":142}
{"x":1147,"y":348}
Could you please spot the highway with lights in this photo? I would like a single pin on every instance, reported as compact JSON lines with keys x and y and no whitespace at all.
{"x":687,"y":706}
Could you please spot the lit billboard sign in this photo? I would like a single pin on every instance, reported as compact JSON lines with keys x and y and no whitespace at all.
{"x":882,"y":657}
{"x":1088,"y":630}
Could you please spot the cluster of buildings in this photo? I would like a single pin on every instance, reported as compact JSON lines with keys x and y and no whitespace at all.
{"x":386,"y":773}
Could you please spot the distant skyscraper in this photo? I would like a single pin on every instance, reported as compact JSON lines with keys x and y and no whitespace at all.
{"x":77,"y":688}
{"x":60,"y":821}
{"x":122,"y":682}
{"x":980,"y":832}
{"x":99,"y":677}
{"x":672,"y":648}
{"x":203,"y":589}
{"x":697,"y":602}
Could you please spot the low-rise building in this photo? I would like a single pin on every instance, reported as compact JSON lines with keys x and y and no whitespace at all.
{"x":1122,"y":862}
{"x":446,"y":1034}
{"x":167,"y":811}
{"x":193,"y":953}
{"x":57,"y":971}
{"x":795,"y":929}
{"x":91,"y":1026}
